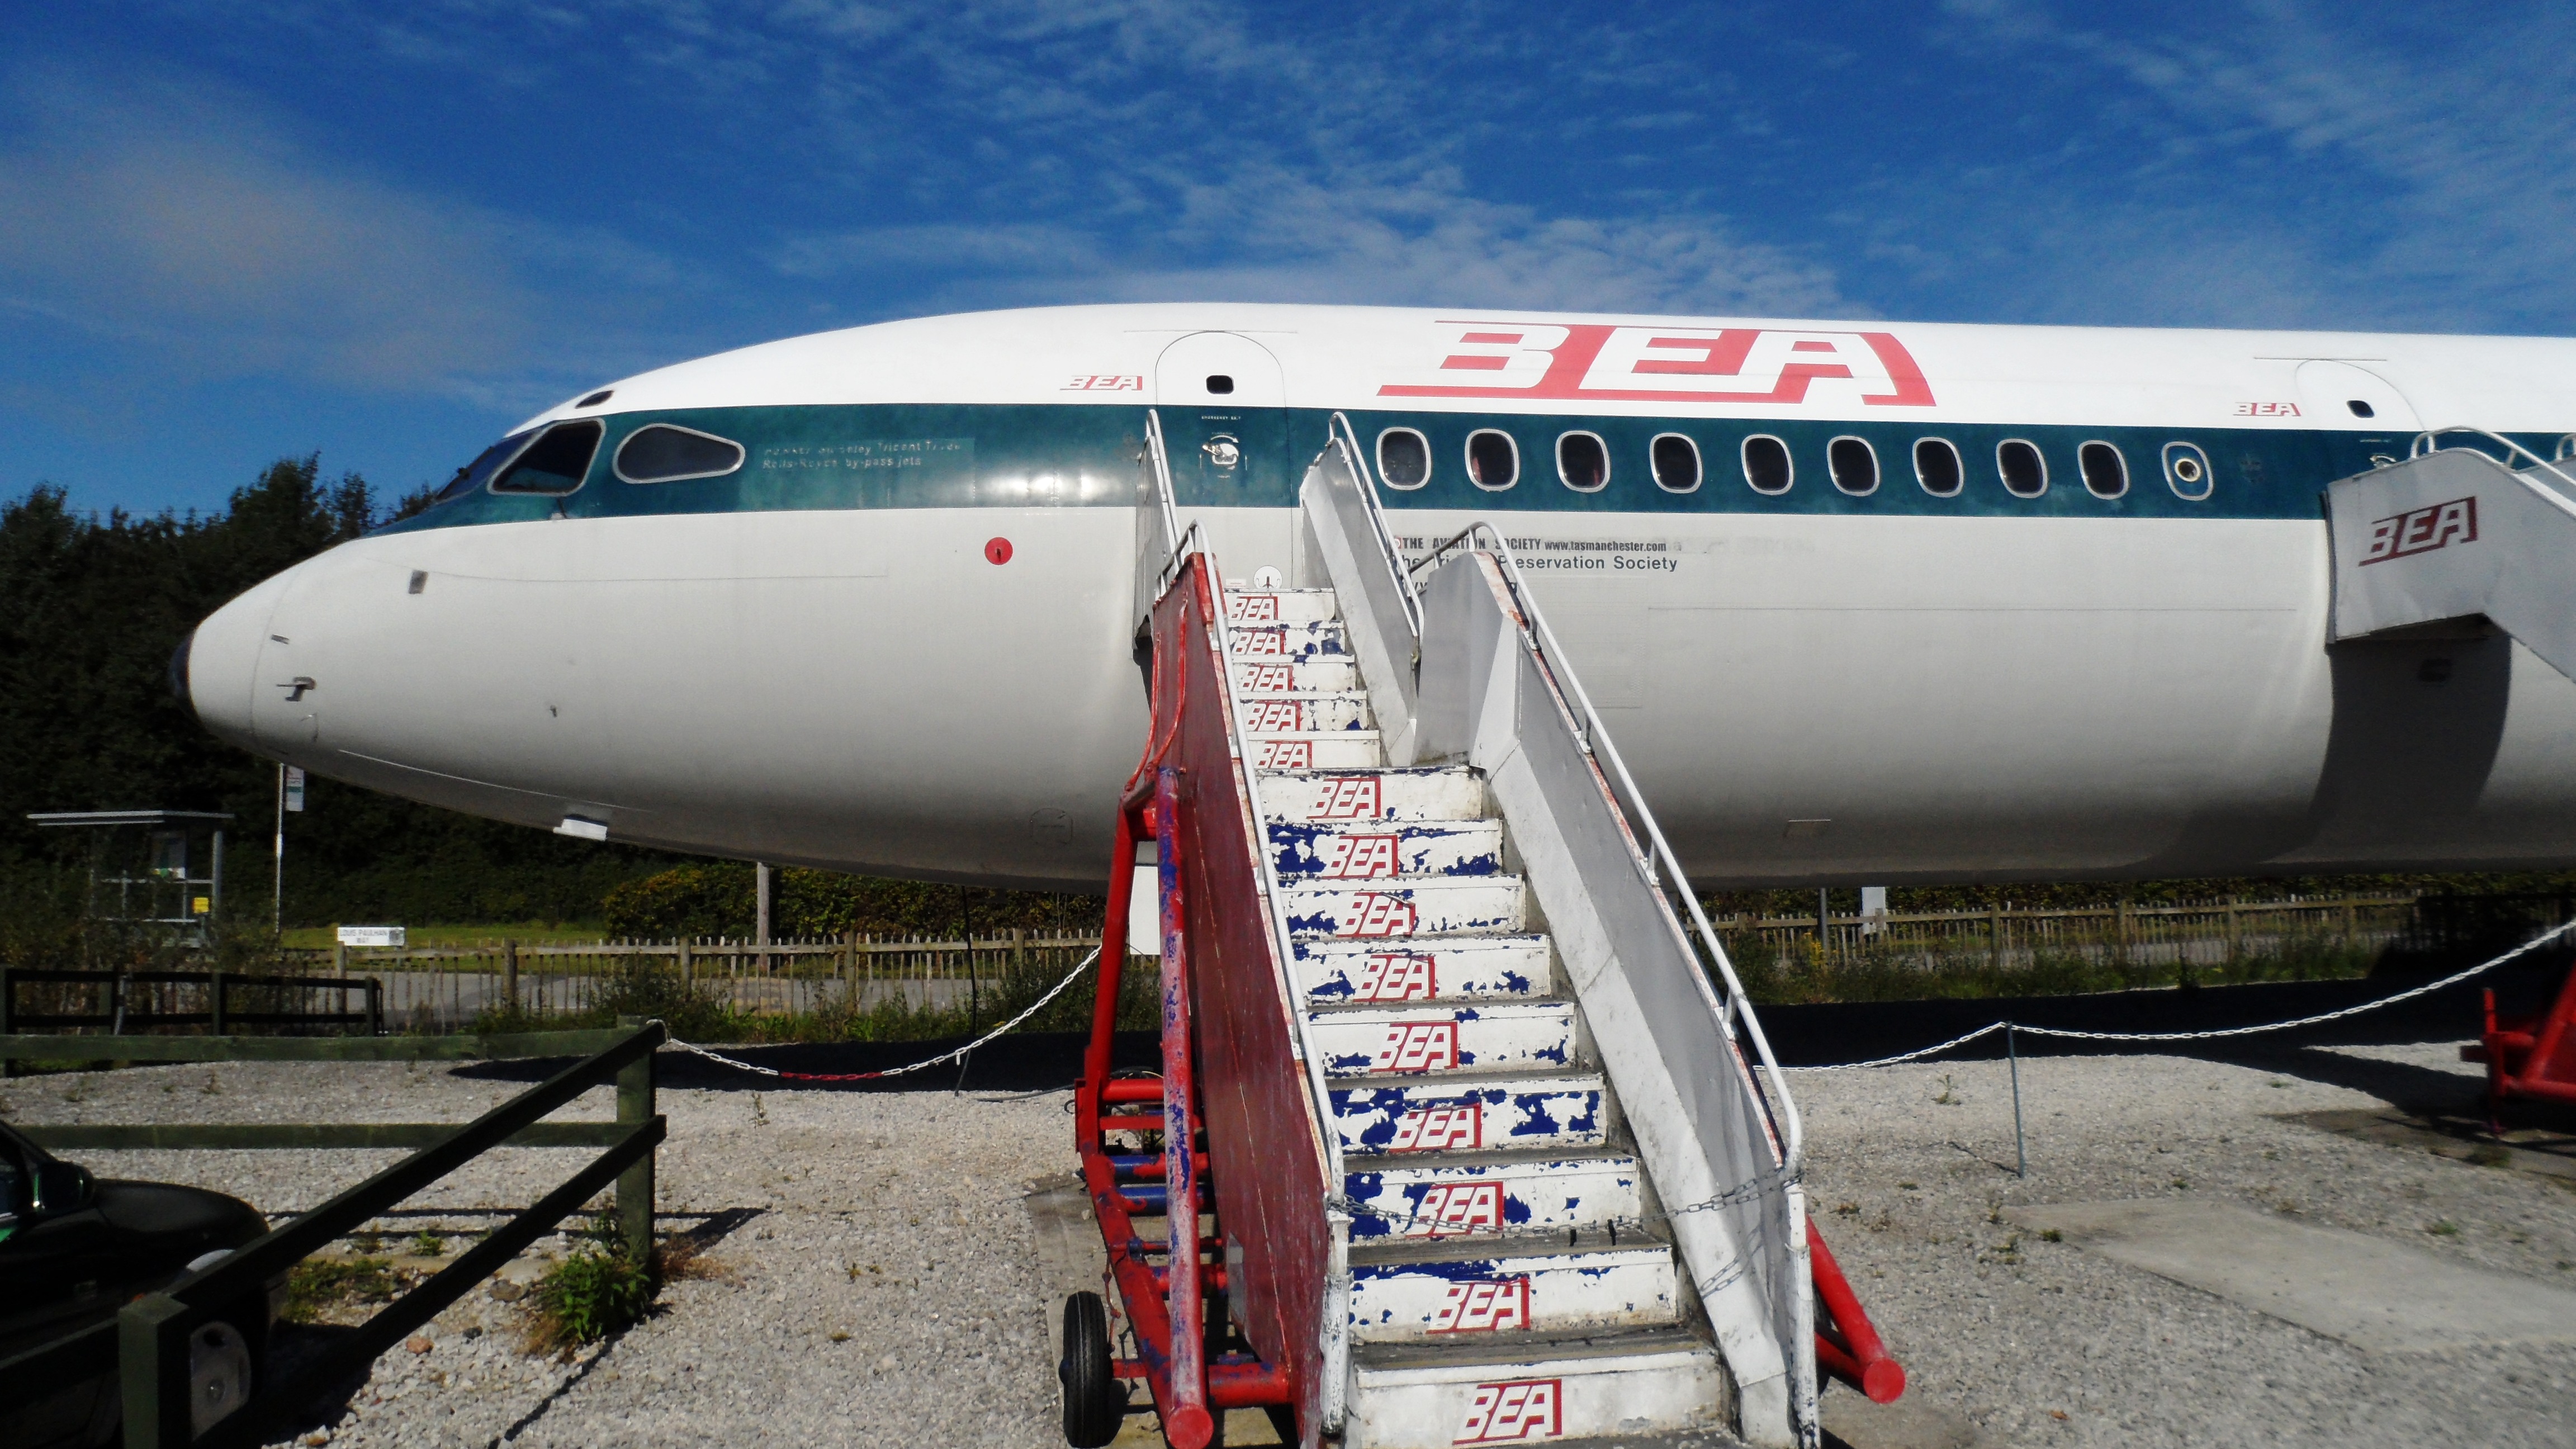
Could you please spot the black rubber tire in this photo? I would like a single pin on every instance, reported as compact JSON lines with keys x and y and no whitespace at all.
{"x":1095,"y":1403}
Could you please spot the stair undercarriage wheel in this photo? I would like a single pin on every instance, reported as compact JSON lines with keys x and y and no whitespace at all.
{"x":1094,"y":1401}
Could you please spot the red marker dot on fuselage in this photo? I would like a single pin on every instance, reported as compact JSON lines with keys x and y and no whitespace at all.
{"x":997,"y":551}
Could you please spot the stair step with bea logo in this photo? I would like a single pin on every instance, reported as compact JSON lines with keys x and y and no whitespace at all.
{"x":1374,"y":1040}
{"x":1514,"y":1388}
{"x":1407,"y":906}
{"x":1419,"y":1289}
{"x":1463,"y":1113}
{"x":1425,"y":968}
{"x":1305,"y":712}
{"x":1415,"y":796}
{"x":1280,"y":606}
{"x":1381,"y":850}
{"x":1487,"y":1194}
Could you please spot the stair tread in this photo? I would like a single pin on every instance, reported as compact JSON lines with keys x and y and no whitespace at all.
{"x":1529,"y":1345}
{"x":1610,"y":1157}
{"x":1577,"y":1242}
{"x":1481,"y":1005}
{"x":1471,"y":1077}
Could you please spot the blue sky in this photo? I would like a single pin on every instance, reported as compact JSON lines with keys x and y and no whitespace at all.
{"x":234,"y":231}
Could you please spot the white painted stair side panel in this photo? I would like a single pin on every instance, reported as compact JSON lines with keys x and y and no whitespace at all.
{"x":1323,"y":674}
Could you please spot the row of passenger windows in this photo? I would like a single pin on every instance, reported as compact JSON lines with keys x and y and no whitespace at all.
{"x":1493,"y":463}
{"x":553,"y":461}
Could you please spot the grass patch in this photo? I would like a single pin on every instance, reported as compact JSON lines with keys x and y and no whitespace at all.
{"x":318,"y":1285}
{"x":601,"y":1289}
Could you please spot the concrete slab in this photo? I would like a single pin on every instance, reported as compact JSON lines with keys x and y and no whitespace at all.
{"x":2369,"y":1292}
{"x":1065,"y":1241}
{"x":1912,"y":1422}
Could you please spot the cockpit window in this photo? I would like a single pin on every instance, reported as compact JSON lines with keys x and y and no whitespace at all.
{"x":479,"y":472}
{"x":661,"y":453}
{"x":555,"y":463}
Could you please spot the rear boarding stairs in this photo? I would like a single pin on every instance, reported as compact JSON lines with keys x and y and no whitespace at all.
{"x":1455,"y":1139}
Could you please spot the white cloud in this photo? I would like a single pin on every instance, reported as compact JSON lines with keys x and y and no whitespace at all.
{"x":184,"y":223}
{"x":2418,"y":177}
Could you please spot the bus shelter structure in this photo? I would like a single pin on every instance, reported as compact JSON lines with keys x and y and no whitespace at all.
{"x":161,"y":868}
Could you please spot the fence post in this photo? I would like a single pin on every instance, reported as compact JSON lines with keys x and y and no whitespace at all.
{"x":8,"y":1017}
{"x":635,"y":1184}
{"x":1995,"y":936}
{"x":215,"y":998}
{"x":152,"y":1364}
{"x":375,"y":1006}
{"x":2235,"y":928}
{"x":340,"y":958}
{"x":688,"y":968}
{"x":510,"y":971}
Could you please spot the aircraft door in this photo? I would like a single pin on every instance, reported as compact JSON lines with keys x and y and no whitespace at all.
{"x":2363,"y":415}
{"x":1223,"y":402}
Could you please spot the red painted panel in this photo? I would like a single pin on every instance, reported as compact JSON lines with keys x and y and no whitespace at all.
{"x":1265,"y":1145}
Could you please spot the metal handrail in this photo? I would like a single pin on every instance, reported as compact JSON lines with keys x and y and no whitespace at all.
{"x":1172,"y":535}
{"x":1339,"y":431}
{"x":1596,"y":741}
{"x":2424,"y":444}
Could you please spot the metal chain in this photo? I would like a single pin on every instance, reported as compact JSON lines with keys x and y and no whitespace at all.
{"x":2068,"y":1033}
{"x":694,"y":1049}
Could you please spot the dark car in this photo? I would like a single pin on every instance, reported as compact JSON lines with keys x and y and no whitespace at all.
{"x":75,"y":1249}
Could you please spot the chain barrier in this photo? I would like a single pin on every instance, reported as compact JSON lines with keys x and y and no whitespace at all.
{"x":675,"y":1044}
{"x":2069,"y":1033}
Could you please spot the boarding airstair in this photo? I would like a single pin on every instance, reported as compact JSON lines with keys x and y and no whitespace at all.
{"x":1484,"y":1154}
{"x":2463,"y":535}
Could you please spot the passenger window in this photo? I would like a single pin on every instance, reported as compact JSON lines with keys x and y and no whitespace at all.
{"x":2187,"y":470}
{"x":479,"y":472}
{"x":1937,"y":467}
{"x":1582,"y":462}
{"x":2106,"y":473}
{"x":661,"y":453}
{"x":2024,"y":471}
{"x":2360,"y":409}
{"x":1854,"y":465}
{"x":1493,"y":459}
{"x":1766,"y":464}
{"x":1403,"y":458}
{"x":555,"y":463}
{"x":1675,"y":461}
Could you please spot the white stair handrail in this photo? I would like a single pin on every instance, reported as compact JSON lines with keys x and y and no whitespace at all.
{"x":2425,"y":443}
{"x":1338,"y":429}
{"x":1162,"y":474}
{"x":1595,"y":739}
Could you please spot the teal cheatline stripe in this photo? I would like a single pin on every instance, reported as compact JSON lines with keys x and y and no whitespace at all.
{"x":870,"y":456}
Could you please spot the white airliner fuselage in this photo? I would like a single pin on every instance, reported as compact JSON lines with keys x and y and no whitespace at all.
{"x":1862,"y":601}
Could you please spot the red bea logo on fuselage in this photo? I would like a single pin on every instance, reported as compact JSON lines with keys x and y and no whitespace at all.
{"x":1665,"y":364}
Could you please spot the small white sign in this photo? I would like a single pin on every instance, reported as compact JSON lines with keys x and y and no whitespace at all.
{"x":372,"y":936}
{"x":294,"y":788}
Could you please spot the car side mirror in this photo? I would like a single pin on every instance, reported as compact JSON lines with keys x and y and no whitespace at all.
{"x":60,"y":1187}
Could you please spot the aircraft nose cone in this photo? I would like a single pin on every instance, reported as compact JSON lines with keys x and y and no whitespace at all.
{"x":216,"y":669}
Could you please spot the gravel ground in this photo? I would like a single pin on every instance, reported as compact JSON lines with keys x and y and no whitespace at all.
{"x":2040,"y":1343}
{"x":895,"y":1218}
